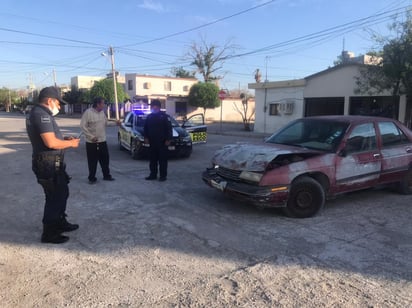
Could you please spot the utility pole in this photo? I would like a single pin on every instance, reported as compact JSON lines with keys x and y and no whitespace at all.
{"x":116,"y":103}
{"x":266,"y":65}
{"x":54,"y":78}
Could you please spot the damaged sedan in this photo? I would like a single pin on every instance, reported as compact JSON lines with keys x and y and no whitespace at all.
{"x":313,"y":159}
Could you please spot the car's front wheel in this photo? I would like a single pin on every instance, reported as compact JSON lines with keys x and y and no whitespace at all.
{"x":135,"y":148}
{"x":306,"y":198}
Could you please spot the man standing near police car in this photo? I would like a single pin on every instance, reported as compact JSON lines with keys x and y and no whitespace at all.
{"x":157,"y":133}
{"x":48,"y":164}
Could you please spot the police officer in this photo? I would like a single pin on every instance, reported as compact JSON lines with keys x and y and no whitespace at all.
{"x":48,"y":164}
{"x":157,"y":133}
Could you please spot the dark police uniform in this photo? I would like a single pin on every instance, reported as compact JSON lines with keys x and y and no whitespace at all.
{"x":158,"y":129}
{"x":48,"y":165}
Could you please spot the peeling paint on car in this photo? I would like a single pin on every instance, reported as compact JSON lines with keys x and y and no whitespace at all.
{"x":303,"y":155}
{"x":252,"y":157}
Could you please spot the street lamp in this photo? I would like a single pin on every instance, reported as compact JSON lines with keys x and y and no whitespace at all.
{"x":116,"y":103}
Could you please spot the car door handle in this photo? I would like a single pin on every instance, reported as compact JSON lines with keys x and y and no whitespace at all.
{"x":408,"y":150}
{"x":376,"y":155}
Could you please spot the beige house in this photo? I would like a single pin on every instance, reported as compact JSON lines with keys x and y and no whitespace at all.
{"x":329,"y":92}
{"x":84,"y":82}
{"x":173,"y":93}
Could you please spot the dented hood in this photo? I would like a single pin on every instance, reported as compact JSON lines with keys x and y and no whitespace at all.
{"x":253,"y":157}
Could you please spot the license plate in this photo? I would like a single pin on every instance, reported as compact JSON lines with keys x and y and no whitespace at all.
{"x":219,"y":185}
{"x":171,"y":147}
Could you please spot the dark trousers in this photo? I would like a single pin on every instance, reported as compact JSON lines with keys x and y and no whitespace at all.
{"x":56,"y":189}
{"x":158,"y":157}
{"x":97,"y":152}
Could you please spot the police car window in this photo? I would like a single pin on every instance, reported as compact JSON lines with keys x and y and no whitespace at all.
{"x":130,"y":119}
{"x":174,"y":122}
{"x":140,"y":119}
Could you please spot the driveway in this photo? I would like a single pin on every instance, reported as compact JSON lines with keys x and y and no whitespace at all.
{"x":181,"y":244}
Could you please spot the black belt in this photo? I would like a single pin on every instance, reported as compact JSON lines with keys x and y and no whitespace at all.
{"x":57,"y":158}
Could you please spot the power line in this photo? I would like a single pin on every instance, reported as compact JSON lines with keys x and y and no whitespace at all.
{"x":344,"y":28}
{"x":49,"y":36}
{"x":201,"y":26}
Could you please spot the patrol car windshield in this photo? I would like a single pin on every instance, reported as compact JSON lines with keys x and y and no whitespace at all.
{"x":140,"y":119}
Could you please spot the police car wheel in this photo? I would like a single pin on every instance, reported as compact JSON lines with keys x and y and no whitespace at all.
{"x":135,"y":147}
{"x":119,"y":141}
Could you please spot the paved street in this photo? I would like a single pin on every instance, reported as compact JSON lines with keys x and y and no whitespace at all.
{"x":181,"y":244}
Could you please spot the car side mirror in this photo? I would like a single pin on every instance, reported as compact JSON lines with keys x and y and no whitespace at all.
{"x":128,"y":124}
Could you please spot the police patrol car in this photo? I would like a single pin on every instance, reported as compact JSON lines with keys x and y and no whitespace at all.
{"x":130,"y":134}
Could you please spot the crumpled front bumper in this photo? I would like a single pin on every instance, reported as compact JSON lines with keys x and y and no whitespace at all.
{"x":262,"y":196}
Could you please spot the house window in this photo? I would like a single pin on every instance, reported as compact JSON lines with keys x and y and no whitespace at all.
{"x":130,"y":85}
{"x":181,"y":108}
{"x":168,"y":86}
{"x":274,"y":109}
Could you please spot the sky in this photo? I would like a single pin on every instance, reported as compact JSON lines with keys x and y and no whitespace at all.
{"x":42,"y":42}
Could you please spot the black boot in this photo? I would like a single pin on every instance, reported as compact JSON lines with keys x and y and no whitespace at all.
{"x":65,"y":226}
{"x":51,"y":234}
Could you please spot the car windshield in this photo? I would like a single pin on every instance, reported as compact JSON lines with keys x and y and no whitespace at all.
{"x":140,"y":119}
{"x":317,"y":134}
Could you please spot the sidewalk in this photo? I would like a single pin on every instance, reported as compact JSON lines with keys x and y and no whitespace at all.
{"x":233,"y":129}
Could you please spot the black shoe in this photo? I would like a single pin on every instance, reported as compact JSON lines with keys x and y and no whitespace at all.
{"x":151,"y":178}
{"x":108,"y":178}
{"x":92,"y":181}
{"x":54,"y":238}
{"x":162,"y":179}
{"x":66,"y":226}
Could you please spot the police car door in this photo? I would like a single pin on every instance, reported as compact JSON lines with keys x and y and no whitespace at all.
{"x":195,"y":126}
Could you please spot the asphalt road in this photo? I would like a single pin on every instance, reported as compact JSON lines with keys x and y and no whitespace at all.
{"x":180,"y":243}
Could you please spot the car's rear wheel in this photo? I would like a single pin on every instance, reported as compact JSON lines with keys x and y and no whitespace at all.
{"x":405,"y":186}
{"x":306,"y":198}
{"x":135,"y":148}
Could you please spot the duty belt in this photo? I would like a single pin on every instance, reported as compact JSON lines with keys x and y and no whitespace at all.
{"x":52,"y":157}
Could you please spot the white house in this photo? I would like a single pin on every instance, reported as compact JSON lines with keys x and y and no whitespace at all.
{"x":173,"y":93}
{"x":328,"y":92}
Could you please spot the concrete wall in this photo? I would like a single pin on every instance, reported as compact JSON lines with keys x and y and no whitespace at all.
{"x":227,"y":112}
{"x":265,"y":96}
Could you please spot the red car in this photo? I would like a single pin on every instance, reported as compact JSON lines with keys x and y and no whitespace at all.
{"x":315,"y":158}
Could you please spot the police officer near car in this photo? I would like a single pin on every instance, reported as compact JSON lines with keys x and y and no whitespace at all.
{"x":48,"y":164}
{"x":158,"y":133}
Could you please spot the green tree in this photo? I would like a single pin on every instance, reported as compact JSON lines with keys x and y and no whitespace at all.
{"x":104,"y":88}
{"x":204,"y":95}
{"x":182,"y":73}
{"x":75,"y":96}
{"x":8,"y":98}
{"x":393,"y":71}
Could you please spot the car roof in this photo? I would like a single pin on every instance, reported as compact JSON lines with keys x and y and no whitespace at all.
{"x":353,"y":119}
